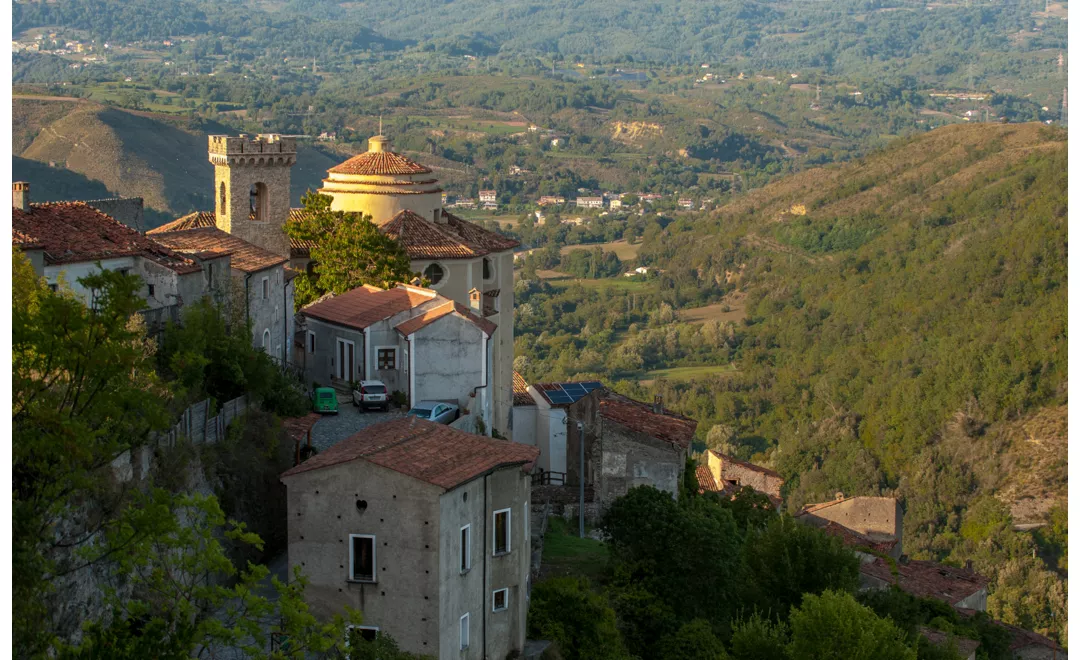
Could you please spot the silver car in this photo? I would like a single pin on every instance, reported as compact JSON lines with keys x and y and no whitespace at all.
{"x":435,"y":411}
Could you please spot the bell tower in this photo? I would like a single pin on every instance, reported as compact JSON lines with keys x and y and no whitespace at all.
{"x":251,"y":187}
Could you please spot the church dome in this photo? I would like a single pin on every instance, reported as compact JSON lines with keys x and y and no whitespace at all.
{"x":381,"y":183}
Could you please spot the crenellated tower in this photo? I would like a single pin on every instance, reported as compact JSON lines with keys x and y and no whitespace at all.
{"x":251,"y":187}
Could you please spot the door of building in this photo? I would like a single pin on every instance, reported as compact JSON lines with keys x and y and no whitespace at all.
{"x":345,"y":361}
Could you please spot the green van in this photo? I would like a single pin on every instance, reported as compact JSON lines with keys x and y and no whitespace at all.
{"x":325,"y":400}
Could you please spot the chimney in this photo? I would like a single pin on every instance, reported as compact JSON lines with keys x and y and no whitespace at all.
{"x":968,"y":565}
{"x":475,"y":301}
{"x":839,"y":495}
{"x":20,"y":196}
{"x":658,"y":404}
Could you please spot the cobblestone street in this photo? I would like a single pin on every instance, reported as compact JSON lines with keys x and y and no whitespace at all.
{"x":332,"y":429}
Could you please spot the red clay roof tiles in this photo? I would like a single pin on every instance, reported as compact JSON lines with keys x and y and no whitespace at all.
{"x":927,"y":579}
{"x":247,"y":257}
{"x":367,"y":304}
{"x":667,"y":425}
{"x":72,"y":232}
{"x":521,"y":392}
{"x":854,"y":539}
{"x":379,"y":162}
{"x":427,"y":318}
{"x":749,"y":466}
{"x":433,"y":453}
{"x":477,"y":235}
{"x":705,"y":480}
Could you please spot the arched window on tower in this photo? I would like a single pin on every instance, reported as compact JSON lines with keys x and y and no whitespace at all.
{"x":222,"y":207}
{"x":257,"y":197}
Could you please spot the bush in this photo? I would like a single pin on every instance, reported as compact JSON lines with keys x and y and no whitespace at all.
{"x":569,"y":613}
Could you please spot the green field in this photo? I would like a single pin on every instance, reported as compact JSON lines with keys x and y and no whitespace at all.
{"x":623,"y":250}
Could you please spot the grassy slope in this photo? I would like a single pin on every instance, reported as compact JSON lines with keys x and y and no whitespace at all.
{"x":160,"y":159}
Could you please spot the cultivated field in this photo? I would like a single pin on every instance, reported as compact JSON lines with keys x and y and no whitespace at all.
{"x":732,"y":308}
{"x":623,"y":250}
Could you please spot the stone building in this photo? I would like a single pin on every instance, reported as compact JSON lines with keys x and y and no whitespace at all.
{"x":875,"y":521}
{"x":261,"y":286}
{"x":403,"y":198}
{"x":410,"y":338}
{"x":422,"y":527}
{"x":66,"y":241}
{"x":728,"y":473}
{"x":627,"y":443}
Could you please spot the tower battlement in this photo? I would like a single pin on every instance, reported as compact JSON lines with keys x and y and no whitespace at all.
{"x":267,"y":149}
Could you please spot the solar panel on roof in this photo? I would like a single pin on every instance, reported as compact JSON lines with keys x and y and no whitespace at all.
{"x":559,"y":397}
{"x":574,"y":389}
{"x":592,"y":385}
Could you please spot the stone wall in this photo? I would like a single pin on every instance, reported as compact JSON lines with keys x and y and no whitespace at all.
{"x":126,"y":210}
{"x":266,"y":163}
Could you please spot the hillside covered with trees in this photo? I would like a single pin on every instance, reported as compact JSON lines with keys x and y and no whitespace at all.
{"x":904,"y":333}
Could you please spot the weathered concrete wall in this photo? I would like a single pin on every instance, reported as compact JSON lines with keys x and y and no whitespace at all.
{"x":404,"y":516}
{"x":267,"y":314}
{"x":383,"y":335}
{"x":880,"y":518}
{"x":723,"y":467}
{"x":320,"y":366}
{"x":524,"y":424}
{"x":37,"y":261}
{"x":126,"y":210}
{"x":503,"y":341}
{"x":448,"y":361}
{"x":169,"y":287}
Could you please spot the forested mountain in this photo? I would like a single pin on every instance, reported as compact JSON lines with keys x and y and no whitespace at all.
{"x":904,"y":332}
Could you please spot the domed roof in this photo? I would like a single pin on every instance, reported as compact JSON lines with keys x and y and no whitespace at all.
{"x":378,"y":160}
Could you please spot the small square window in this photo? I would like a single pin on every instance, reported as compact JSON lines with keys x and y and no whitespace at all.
{"x":387,"y":358}
{"x":150,"y":290}
{"x":362,"y":558}
{"x":501,"y":541}
{"x":463,"y":632}
{"x":498,"y":599}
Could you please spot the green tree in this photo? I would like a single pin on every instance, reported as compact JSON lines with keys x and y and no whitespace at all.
{"x":347,"y":251}
{"x":84,"y":391}
{"x":834,"y":625}
{"x":758,"y":638}
{"x":580,"y":621}
{"x":693,"y":641}
{"x":788,"y":559}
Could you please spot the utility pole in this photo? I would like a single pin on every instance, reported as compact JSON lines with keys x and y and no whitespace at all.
{"x":818,"y":97}
{"x":581,"y":480}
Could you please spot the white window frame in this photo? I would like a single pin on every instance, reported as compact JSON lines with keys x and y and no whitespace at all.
{"x":386,"y":348}
{"x":266,"y":341}
{"x":311,"y":341}
{"x":445,"y":277}
{"x":506,"y":600}
{"x":374,"y":559}
{"x":495,"y":529}
{"x":463,"y":631}
{"x":266,"y":288}
{"x":466,"y":549}
{"x":349,"y":627}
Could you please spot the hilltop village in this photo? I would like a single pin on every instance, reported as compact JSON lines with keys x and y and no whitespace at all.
{"x":433,"y":527}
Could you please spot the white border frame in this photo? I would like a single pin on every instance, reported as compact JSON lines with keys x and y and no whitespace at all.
{"x":445,"y":277}
{"x":506,"y":600}
{"x":397,"y":360}
{"x":266,"y":288}
{"x":494,"y":530}
{"x":467,"y":548}
{"x":350,"y":626}
{"x":463,"y":640}
{"x":374,"y":559}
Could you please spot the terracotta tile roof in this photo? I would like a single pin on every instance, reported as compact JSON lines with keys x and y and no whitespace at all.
{"x":200,"y":219}
{"x":25,"y":241}
{"x":927,"y":579}
{"x":379,"y":162}
{"x":748,"y":466}
{"x":367,"y":304}
{"x":190,"y":221}
{"x":1020,"y":638}
{"x":854,"y":539}
{"x":705,"y":480}
{"x":72,"y":232}
{"x":449,"y":307}
{"x":247,"y":257}
{"x":667,"y":425}
{"x":298,"y":427}
{"x":938,"y":638}
{"x":477,"y":235}
{"x":433,"y":453}
{"x":426,"y":240}
{"x":521,"y":392}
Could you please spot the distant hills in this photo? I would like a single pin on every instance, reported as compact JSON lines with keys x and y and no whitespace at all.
{"x":76,"y":149}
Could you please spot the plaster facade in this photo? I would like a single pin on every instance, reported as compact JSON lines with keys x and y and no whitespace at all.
{"x":269,"y":309}
{"x":879,"y":518}
{"x":419,"y":593}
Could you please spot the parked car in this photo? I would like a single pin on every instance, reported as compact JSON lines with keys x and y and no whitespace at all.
{"x":435,"y":411}
{"x":371,"y":394}
{"x":324,"y":400}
